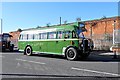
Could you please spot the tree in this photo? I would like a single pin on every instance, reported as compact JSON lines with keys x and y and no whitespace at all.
{"x":48,"y":24}
{"x":78,"y":19}
{"x":104,"y":17}
{"x":20,"y":30}
{"x":38,"y":26}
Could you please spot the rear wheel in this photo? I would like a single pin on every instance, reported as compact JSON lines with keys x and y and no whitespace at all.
{"x":28,"y":51}
{"x":71,"y":54}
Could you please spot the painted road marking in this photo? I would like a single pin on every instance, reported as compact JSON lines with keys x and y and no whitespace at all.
{"x":9,"y":53}
{"x":93,"y":71}
{"x":2,"y":56}
{"x":30,"y":61}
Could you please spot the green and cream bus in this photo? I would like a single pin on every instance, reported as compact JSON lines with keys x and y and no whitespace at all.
{"x":59,"y":40}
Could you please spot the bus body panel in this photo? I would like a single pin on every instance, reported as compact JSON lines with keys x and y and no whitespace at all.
{"x":55,"y":46}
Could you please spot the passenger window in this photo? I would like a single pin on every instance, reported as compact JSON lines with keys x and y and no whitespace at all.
{"x":60,"y":34}
{"x":21,"y":37}
{"x":25,"y":37}
{"x":67,"y":34}
{"x":30,"y":36}
{"x":52,"y":35}
{"x":74,"y":35}
{"x":36,"y":36}
{"x":43,"y":35}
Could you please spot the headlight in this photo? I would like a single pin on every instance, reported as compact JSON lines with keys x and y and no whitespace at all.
{"x":3,"y":44}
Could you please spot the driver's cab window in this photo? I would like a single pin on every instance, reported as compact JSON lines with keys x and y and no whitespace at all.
{"x":6,"y":38}
{"x":81,"y":35}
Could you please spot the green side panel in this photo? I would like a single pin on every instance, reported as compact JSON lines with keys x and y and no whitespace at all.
{"x":21,"y":45}
{"x":39,"y":46}
{"x":47,"y":46}
{"x":51,"y":46}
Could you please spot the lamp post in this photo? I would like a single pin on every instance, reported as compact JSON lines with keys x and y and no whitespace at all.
{"x":114,"y":51}
{"x":114,"y":25}
{"x":91,"y":30}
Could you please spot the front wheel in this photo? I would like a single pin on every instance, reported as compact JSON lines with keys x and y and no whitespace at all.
{"x":28,"y":51}
{"x":71,"y":54}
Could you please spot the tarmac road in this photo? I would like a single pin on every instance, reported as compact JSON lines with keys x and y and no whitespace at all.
{"x":17,"y":65}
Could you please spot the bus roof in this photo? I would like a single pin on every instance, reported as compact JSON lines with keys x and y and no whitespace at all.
{"x":67,"y":27}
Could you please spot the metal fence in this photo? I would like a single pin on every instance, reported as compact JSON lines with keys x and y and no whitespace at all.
{"x":102,"y":41}
{"x":116,"y":36}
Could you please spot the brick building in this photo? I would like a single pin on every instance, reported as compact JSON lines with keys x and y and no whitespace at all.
{"x":100,"y":30}
{"x":15,"y":37}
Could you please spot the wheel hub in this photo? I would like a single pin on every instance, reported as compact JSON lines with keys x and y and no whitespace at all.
{"x":71,"y":54}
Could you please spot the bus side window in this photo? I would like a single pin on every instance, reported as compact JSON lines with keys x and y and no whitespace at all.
{"x":36,"y":36}
{"x":24,"y":36}
{"x":73,"y":34}
{"x":30,"y":36}
{"x":43,"y":35}
{"x":20,"y":37}
{"x":67,"y":34}
{"x":60,"y":34}
{"x":52,"y":35}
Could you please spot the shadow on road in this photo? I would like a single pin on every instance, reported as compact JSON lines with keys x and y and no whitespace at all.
{"x":93,"y":57}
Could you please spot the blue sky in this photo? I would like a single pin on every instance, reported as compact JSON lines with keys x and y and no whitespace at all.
{"x":31,"y":14}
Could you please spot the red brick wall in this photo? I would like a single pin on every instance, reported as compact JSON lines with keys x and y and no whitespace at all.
{"x":101,"y":31}
{"x":15,"y":37}
{"x":102,"y":26}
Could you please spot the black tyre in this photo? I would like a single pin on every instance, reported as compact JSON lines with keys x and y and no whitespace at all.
{"x":28,"y":51}
{"x":11,"y":48}
{"x":71,"y":54}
